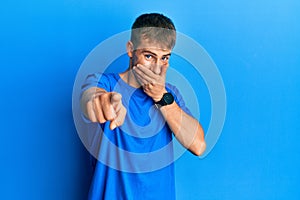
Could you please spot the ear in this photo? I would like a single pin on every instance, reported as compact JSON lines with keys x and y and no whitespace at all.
{"x":129,"y":48}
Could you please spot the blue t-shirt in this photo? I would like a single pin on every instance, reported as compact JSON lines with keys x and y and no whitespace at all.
{"x":135,"y":160}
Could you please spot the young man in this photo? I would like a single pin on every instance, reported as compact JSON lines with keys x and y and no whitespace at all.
{"x":136,"y":113}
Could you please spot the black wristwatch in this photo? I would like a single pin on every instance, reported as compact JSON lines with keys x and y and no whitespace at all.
{"x":167,"y":99}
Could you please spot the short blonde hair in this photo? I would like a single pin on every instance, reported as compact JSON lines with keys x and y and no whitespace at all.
{"x":154,"y":27}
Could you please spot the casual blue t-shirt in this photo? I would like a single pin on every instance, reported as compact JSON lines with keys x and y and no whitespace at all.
{"x":135,"y":160}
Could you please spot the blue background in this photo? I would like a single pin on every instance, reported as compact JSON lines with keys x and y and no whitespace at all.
{"x":255,"y":45}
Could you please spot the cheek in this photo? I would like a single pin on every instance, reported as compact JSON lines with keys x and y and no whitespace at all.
{"x":141,"y":60}
{"x":166,"y":64}
{"x":147,"y":64}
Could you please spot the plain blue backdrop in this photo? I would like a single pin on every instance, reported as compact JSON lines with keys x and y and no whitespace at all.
{"x":255,"y":45}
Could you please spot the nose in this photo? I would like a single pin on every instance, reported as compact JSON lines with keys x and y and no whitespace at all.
{"x":156,"y":68}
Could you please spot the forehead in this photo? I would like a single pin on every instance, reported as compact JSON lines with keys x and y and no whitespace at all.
{"x":155,"y":47}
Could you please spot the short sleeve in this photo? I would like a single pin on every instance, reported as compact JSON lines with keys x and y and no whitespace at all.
{"x":178,"y":98}
{"x":96,"y":80}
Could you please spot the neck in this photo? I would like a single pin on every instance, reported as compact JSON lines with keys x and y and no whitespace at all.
{"x":129,"y":78}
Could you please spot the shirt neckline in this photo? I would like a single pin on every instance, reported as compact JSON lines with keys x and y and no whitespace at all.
{"x":139,"y":91}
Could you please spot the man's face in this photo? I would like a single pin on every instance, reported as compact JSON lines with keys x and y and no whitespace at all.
{"x":151,"y":55}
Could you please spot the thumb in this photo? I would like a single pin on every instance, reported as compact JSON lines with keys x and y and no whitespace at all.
{"x":112,"y":125}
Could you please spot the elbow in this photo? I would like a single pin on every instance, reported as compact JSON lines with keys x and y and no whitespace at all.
{"x":199,"y":144}
{"x":199,"y":148}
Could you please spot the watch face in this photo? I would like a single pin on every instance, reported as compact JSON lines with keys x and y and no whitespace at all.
{"x":168,"y":98}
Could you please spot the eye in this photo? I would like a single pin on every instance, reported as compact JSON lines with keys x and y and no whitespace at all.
{"x":165,"y":58}
{"x":148,"y":56}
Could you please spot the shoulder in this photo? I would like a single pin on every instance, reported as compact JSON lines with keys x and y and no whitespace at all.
{"x":172,"y":89}
{"x":103,"y":80}
{"x":106,"y":76}
{"x":103,"y":77}
{"x":177,"y":97}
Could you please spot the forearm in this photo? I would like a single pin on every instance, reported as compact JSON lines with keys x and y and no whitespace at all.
{"x":186,"y":129}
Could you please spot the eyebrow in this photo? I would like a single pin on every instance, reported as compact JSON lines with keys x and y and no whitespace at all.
{"x":147,"y":51}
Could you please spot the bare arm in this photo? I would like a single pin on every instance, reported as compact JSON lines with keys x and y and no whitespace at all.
{"x":186,"y":129}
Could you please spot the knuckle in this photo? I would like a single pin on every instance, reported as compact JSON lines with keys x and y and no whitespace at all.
{"x":102,"y":97}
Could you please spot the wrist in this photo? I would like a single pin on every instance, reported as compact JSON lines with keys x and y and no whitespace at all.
{"x":160,"y":96}
{"x":167,"y":99}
